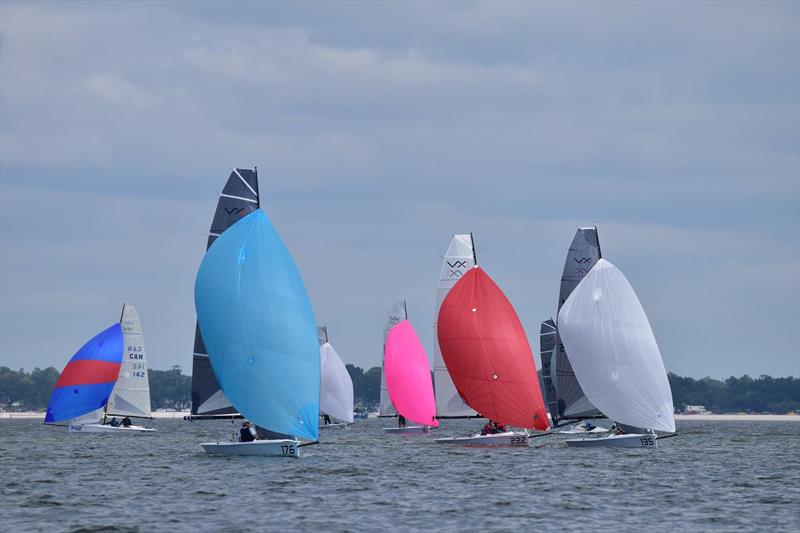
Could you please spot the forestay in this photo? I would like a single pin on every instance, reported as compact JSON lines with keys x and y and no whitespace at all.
{"x":336,"y":387}
{"x":87,"y":380}
{"x":238,"y":198}
{"x":131,"y":394}
{"x":397,"y":313}
{"x":488,"y":355}
{"x":408,"y":375}
{"x":259,"y":328}
{"x":459,"y":258}
{"x":584,"y":252}
{"x":614,"y":352}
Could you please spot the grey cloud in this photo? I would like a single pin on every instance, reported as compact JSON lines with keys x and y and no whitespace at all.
{"x":381,"y":129}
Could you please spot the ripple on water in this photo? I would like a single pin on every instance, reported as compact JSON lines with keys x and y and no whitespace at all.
{"x":362,"y":479}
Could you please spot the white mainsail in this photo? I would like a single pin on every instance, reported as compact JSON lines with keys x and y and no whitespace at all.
{"x":613,"y":351}
{"x":131,"y":394}
{"x":458,"y":259}
{"x":336,"y":387}
{"x":397,"y":313}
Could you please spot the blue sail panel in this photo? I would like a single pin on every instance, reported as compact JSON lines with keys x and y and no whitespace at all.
{"x":259,"y":328}
{"x":89,"y":377}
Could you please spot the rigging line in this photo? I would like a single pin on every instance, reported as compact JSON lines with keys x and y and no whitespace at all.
{"x":245,"y":182}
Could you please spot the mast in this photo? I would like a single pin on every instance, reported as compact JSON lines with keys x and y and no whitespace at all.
{"x":239,"y":197}
{"x":131,"y":394}
{"x":397,"y":313}
{"x":571,"y":402}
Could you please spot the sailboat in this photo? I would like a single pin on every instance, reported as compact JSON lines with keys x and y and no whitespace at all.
{"x":397,"y":314}
{"x":616,"y":359}
{"x":490,"y":361}
{"x":458,"y":259}
{"x":258,"y":326}
{"x":408,"y":380}
{"x":564,"y":396}
{"x":336,"y":386}
{"x":107,"y":377}
{"x":239,"y":197}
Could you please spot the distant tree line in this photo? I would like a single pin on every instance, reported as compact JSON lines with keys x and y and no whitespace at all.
{"x":20,"y":390}
{"x":745,"y":394}
{"x":172,"y":389}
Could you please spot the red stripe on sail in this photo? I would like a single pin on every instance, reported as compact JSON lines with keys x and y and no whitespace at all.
{"x":487,"y":353}
{"x":88,"y":372}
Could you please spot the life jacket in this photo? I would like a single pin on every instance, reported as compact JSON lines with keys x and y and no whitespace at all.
{"x":245,"y":435}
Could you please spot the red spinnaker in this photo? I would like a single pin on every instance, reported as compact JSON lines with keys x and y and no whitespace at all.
{"x":487,"y":353}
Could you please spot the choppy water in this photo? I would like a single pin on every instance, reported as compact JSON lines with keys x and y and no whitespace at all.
{"x":715,"y":475}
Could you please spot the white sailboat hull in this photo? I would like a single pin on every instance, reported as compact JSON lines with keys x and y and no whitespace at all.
{"x":633,"y":440}
{"x":337,"y":425}
{"x":509,"y":438}
{"x":580,"y":429}
{"x":101,"y":428}
{"x":264,"y":448}
{"x":408,"y":430}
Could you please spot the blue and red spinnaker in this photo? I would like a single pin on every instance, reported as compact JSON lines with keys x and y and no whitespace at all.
{"x":89,"y":377}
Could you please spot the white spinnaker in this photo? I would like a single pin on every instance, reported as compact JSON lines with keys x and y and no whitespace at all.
{"x":613,"y":351}
{"x":459,"y":258}
{"x":336,"y":387}
{"x":131,"y":394}
{"x":396,"y":314}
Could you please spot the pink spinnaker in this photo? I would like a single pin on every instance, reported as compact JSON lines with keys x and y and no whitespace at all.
{"x":408,"y":375}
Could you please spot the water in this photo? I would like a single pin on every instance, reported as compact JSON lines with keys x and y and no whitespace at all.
{"x":715,"y":475}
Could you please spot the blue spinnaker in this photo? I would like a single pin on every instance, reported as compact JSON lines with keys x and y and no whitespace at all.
{"x":259,"y":328}
{"x":89,"y":377}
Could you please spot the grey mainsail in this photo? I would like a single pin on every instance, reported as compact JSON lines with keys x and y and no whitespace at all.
{"x":547,"y":348}
{"x":238,"y":198}
{"x":571,"y":401}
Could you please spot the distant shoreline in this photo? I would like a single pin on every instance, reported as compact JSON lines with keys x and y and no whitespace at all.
{"x":741,"y":418}
{"x":707,"y":418}
{"x":36,"y":414}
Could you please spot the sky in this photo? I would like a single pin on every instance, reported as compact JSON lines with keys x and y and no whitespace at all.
{"x":379,"y":130}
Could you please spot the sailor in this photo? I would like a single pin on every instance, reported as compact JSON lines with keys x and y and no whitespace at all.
{"x":247,"y":433}
{"x":488,"y":428}
{"x":126,"y":422}
{"x":499,"y":427}
{"x":401,"y":420}
{"x":114,"y":422}
{"x":588,"y":426}
{"x":326,"y":419}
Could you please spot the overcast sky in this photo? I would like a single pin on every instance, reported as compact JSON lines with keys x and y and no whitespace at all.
{"x":379,"y":129}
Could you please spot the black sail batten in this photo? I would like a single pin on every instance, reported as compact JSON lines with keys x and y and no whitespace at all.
{"x":239,"y":197}
{"x":571,"y":402}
